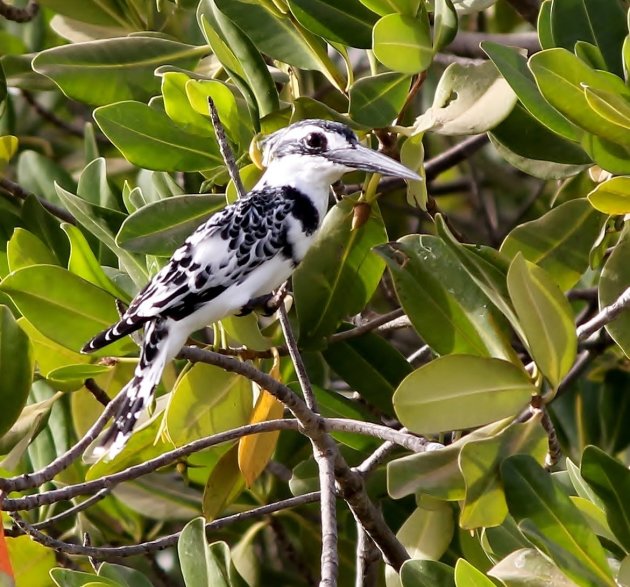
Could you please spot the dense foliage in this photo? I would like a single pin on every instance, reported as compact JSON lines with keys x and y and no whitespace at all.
{"x":464,"y":337}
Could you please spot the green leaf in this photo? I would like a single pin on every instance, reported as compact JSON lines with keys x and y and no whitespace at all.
{"x":607,"y":154}
{"x":445,"y":24}
{"x":26,"y":249}
{"x":84,"y":264}
{"x":425,"y":534}
{"x":339,"y":273}
{"x":546,"y":318}
{"x":403,"y":43}
{"x":70,"y":578}
{"x":526,"y":567}
{"x":225,"y":483}
{"x":110,"y":70}
{"x":150,"y":139}
{"x":179,"y":108}
{"x":613,"y":282}
{"x":377,"y":100}
{"x":559,"y":241}
{"x":468,"y":576}
{"x":64,"y":307}
{"x":613,"y":107}
{"x":371,"y":366}
{"x":513,"y":67}
{"x":469,"y":99}
{"x":479,"y":461}
{"x":455,"y":392}
{"x":445,"y":306}
{"x":126,"y":576}
{"x":550,"y":521}
{"x":611,"y":482}
{"x":160,"y":227}
{"x":278,"y":36}
{"x":93,"y":185}
{"x":599,"y":22}
{"x":206,"y":400}
{"x":38,"y":175}
{"x":612,"y":196}
{"x":103,"y":223}
{"x":525,"y":136}
{"x":72,"y":377}
{"x":203,"y":564}
{"x":16,"y":364}
{"x":31,"y":561}
{"x":426,"y":573}
{"x":561,"y":78}
{"x":8,"y":147}
{"x":349,"y":23}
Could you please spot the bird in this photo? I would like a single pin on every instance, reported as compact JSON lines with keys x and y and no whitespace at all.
{"x":235,"y":260}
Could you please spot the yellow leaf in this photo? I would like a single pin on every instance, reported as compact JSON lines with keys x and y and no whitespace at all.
{"x":255,"y":451}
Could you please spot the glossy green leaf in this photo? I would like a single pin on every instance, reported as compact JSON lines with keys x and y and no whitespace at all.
{"x":127,"y":576}
{"x":613,"y":282}
{"x":206,"y":400}
{"x":611,"y":482}
{"x":600,"y":22}
{"x":205,"y":564}
{"x":339,"y":273}
{"x":224,"y":485}
{"x":103,"y":223}
{"x":16,"y":362}
{"x":445,"y":24}
{"x":179,"y":108}
{"x":161,"y":227}
{"x":349,"y":23}
{"x":468,"y":576}
{"x":426,"y":573}
{"x":552,"y":523}
{"x":377,"y":100}
{"x":83,"y":263}
{"x":38,"y":174}
{"x":455,"y":392}
{"x":513,"y":67}
{"x":546,"y":318}
{"x":148,"y":138}
{"x":403,"y":43}
{"x":70,"y":578}
{"x":559,"y":241}
{"x":425,"y":534}
{"x":525,"y":136}
{"x":65,"y":308}
{"x":371,"y":366}
{"x":608,"y":155}
{"x":277,"y":35}
{"x":469,"y":99}
{"x":385,"y":7}
{"x":561,"y":78}
{"x":612,"y":196}
{"x":444,"y":304}
{"x":72,"y":377}
{"x":93,"y":185}
{"x":8,"y":147}
{"x":25,"y":249}
{"x":527,"y":567}
{"x":479,"y":462}
{"x":252,"y":63}
{"x":613,"y":107}
{"x":31,"y":562}
{"x":110,"y":70}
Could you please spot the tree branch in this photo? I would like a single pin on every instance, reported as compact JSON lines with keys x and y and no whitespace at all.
{"x":17,"y":191}
{"x":26,"y":14}
{"x":466,"y":43}
{"x":604,"y":316}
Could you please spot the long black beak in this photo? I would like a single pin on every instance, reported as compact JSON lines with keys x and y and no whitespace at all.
{"x":360,"y":157}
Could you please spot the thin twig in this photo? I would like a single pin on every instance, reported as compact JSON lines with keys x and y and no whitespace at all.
{"x":456,"y":154}
{"x":26,"y":14}
{"x":113,"y":553}
{"x":225,"y":149}
{"x":97,"y":391}
{"x":85,"y":504}
{"x":604,"y":316}
{"x":366,"y":327}
{"x":368,"y":557}
{"x":467,"y":43}
{"x":19,"y":192}
{"x":325,"y":459}
{"x":528,"y":9}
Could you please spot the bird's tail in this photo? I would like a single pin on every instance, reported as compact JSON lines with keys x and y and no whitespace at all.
{"x":138,"y":392}
{"x":126,"y":325}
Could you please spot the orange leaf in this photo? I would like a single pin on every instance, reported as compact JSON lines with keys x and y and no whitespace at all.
{"x":255,"y":451}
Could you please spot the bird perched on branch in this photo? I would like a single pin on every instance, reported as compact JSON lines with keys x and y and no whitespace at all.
{"x":236,"y":259}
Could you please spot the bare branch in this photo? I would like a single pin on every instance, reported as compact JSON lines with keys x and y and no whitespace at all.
{"x":368,"y":557}
{"x":605,"y":316}
{"x":113,"y":553}
{"x":26,"y":14}
{"x":98,"y":392}
{"x":466,"y":43}
{"x":17,"y":191}
{"x":85,"y":504}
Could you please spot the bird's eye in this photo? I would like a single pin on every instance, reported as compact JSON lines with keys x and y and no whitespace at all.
{"x":315,"y":141}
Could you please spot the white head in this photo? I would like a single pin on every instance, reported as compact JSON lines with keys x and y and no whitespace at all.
{"x":319,"y":152}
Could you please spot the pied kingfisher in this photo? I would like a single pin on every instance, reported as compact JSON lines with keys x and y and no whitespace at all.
{"x":239,"y":255}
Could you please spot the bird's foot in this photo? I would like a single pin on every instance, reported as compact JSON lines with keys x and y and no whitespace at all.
{"x":267,"y":304}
